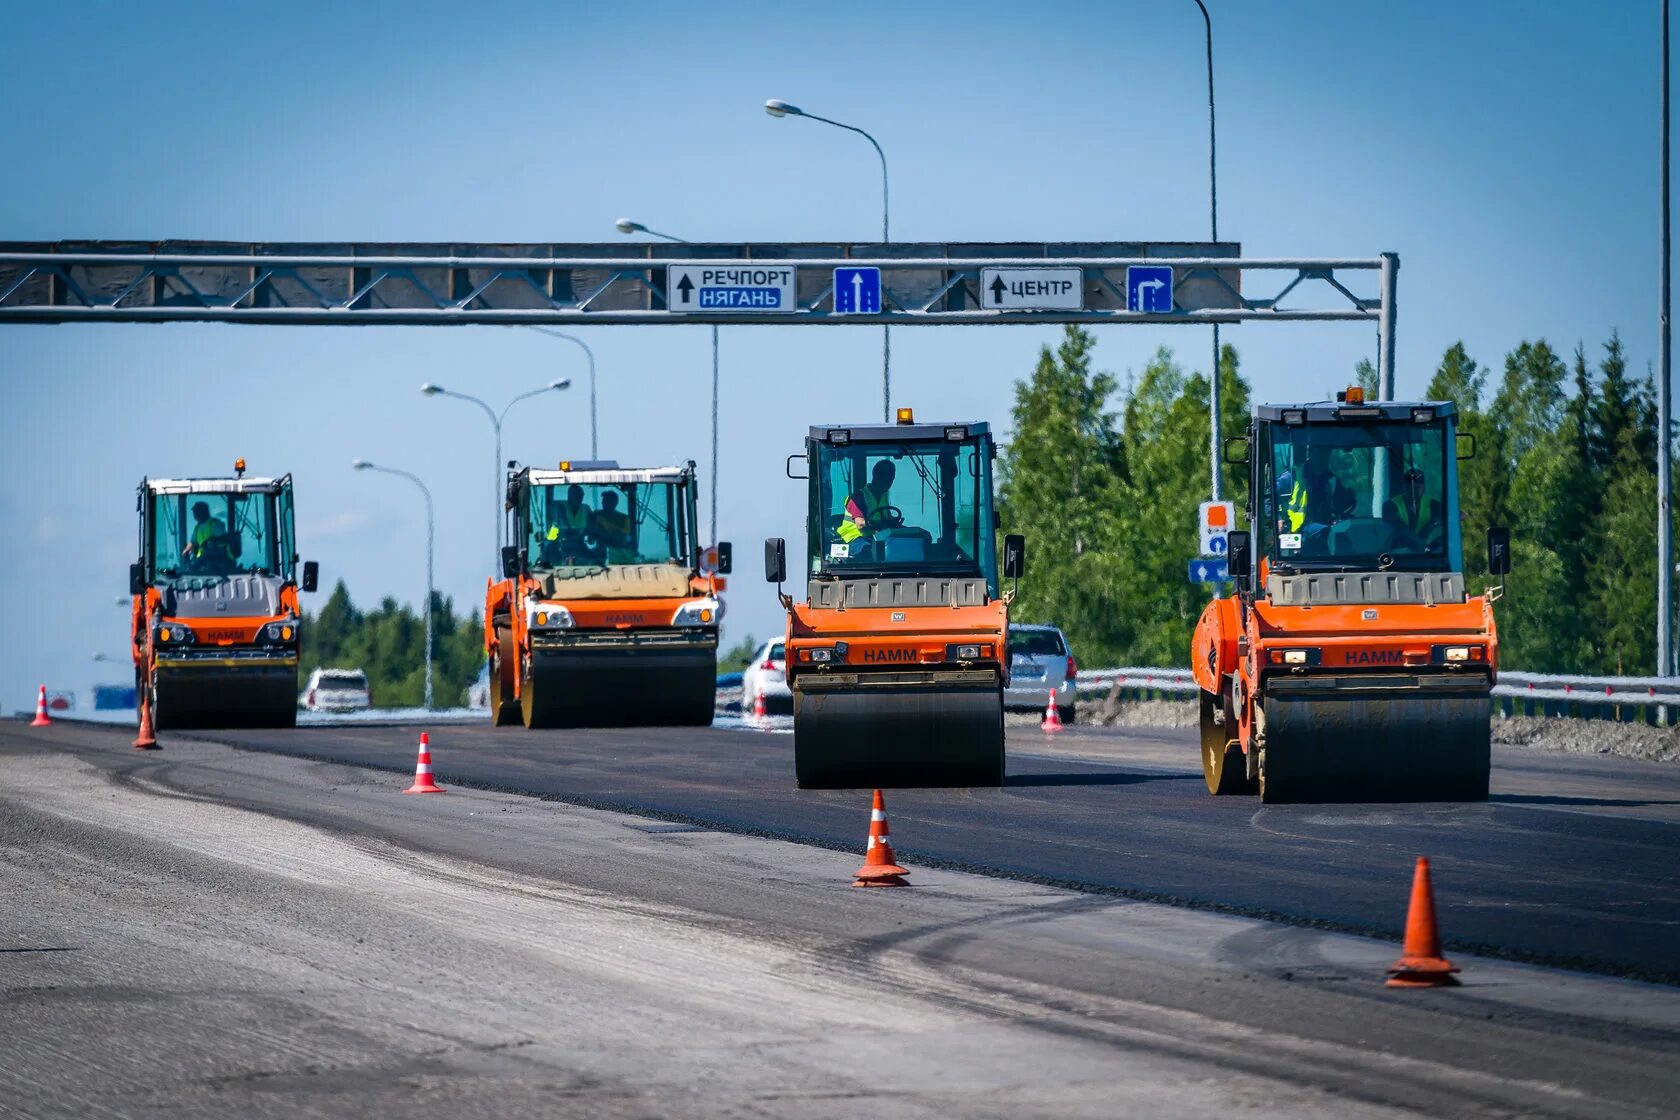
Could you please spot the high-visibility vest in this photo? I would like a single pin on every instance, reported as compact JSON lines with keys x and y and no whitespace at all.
{"x":1427,"y":513}
{"x":568,"y":520}
{"x":1297,"y":507}
{"x":617,"y":526}
{"x":869,"y":504}
{"x":203,"y":534}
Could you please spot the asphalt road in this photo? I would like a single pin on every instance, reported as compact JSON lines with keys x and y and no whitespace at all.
{"x":1574,"y":862}
{"x":209,"y":931}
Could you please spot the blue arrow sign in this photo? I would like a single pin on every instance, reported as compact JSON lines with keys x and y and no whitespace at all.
{"x":1209,"y":571}
{"x":1149,"y":288}
{"x":857,"y":291}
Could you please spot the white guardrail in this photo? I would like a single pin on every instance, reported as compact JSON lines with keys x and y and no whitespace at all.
{"x":1565,"y":688}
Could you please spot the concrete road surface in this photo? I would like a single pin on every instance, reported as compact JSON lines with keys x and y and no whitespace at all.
{"x":218,"y":932}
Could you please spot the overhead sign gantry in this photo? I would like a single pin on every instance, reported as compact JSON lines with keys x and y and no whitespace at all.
{"x":599,"y":284}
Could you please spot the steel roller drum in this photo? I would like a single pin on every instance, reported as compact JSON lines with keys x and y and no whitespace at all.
{"x":1414,"y":745}
{"x":620,"y":689}
{"x":224,"y":696}
{"x":864,"y":735}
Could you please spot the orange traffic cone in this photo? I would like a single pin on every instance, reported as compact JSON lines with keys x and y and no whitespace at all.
{"x":146,"y":739}
{"x":41,"y":718}
{"x":1421,"y":964}
{"x":880,"y":868}
{"x":423,"y":770}
{"x":760,"y":709}
{"x":1052,"y":717}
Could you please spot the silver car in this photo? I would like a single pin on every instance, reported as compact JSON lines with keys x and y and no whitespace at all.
{"x":1041,"y":666}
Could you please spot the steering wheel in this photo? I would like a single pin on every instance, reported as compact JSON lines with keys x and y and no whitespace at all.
{"x":887,"y":517}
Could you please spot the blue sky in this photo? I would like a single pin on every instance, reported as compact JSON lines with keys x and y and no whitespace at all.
{"x":1506,"y":152}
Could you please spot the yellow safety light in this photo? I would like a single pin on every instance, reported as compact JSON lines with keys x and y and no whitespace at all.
{"x":906,"y":416}
{"x":239,"y":467}
{"x":1355,"y":395}
{"x":565,"y":464}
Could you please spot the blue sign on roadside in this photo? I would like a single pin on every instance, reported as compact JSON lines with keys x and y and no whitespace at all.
{"x":1149,"y":288}
{"x":857,"y":291}
{"x":1210,"y":571}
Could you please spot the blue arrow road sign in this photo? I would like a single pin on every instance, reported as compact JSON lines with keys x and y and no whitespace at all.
{"x":1209,"y":571}
{"x":1149,"y":288}
{"x":857,"y":291}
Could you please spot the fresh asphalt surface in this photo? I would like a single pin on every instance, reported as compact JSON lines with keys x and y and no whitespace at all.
{"x":1575,"y":861}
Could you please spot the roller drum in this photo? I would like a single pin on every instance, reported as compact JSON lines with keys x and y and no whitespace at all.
{"x":864,"y":735}
{"x":1421,"y":745}
{"x":224,"y":696}
{"x":620,"y":688}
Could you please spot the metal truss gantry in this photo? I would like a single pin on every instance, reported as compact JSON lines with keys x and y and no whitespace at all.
{"x":603,"y":284}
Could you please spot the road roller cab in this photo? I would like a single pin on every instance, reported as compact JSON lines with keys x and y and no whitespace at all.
{"x":215,"y":619}
{"x":1350,"y":664}
{"x":898,"y":657}
{"x":607,"y":613}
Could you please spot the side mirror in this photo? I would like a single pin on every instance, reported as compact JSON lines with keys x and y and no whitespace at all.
{"x":725,"y":558}
{"x":1499,"y":550}
{"x":511,"y":561}
{"x":1239,"y":553}
{"x":788,"y":466}
{"x":1236,"y":449}
{"x":775,"y":560}
{"x":311,"y":575}
{"x":136,"y":579}
{"x":1014,"y":556}
{"x":1464,"y":445}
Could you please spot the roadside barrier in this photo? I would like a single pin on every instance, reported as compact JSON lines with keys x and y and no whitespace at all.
{"x":1052,"y":723}
{"x":1421,"y":964}
{"x":423,"y":769}
{"x":880,"y":868}
{"x":41,"y":718}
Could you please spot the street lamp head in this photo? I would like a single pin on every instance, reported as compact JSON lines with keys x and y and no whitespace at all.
{"x":782,"y":109}
{"x":563,"y":383}
{"x":625,"y":225}
{"x":431,"y":390}
{"x":360,"y":464}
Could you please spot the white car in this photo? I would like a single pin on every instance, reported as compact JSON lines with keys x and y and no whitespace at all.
{"x":1040,"y":665}
{"x":766,"y":676}
{"x":336,"y":690}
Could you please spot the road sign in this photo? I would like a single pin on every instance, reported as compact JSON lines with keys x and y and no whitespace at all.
{"x":61,"y":701}
{"x":1209,"y":571}
{"x":1032,"y":289}
{"x":857,"y":291}
{"x":1149,"y":288}
{"x":1215,"y":520}
{"x":730,"y":286}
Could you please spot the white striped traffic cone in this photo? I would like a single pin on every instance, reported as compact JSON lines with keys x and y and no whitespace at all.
{"x":41,"y":718}
{"x":1052,"y":717}
{"x":423,"y":770}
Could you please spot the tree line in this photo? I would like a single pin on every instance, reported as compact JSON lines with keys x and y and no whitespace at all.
{"x":1104,"y":480}
{"x":389,"y":645}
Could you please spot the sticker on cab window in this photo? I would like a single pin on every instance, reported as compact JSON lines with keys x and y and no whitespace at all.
{"x":839,"y":550}
{"x":1290,"y":542}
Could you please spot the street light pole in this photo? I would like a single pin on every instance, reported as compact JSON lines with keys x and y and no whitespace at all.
{"x":594,"y":441}
{"x":1665,"y":525}
{"x":364,"y":465}
{"x":1215,"y":456}
{"x":625,"y":225}
{"x":777,"y":108}
{"x":431,"y":390}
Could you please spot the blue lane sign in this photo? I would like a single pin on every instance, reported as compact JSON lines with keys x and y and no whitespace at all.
{"x":857,"y":291}
{"x":732,"y":286}
{"x":1149,"y":288}
{"x":1210,"y":571}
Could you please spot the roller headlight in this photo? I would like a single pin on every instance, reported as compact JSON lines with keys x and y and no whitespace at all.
{"x":280,"y":631}
{"x":701,"y":612}
{"x":174,"y":634}
{"x":550,"y":616}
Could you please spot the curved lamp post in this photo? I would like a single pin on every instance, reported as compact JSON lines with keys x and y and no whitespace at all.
{"x":778,"y":108}
{"x":432,"y":390}
{"x":594,"y":443}
{"x":364,"y":465}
